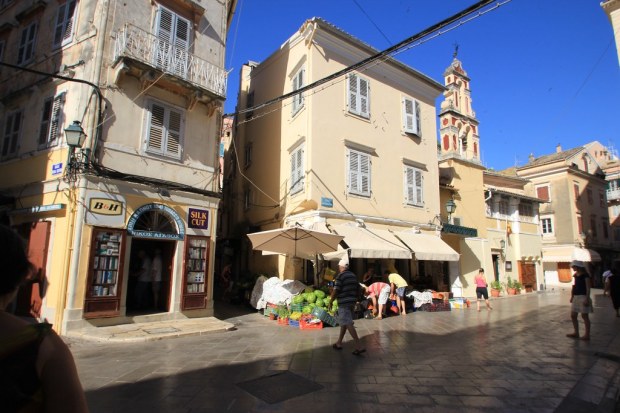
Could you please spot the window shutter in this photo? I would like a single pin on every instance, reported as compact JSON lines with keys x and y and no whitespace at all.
{"x":364,"y":96}
{"x":353,"y":172}
{"x":417,"y":123}
{"x":418,"y":187}
{"x":165,"y":22}
{"x":182,"y":33}
{"x":364,"y":174}
{"x":156,"y":129}
{"x":56,"y":120}
{"x":409,"y":187}
{"x":353,"y":107}
{"x":408,"y":115}
{"x":64,"y":23}
{"x":173,"y":136}
{"x":11,"y":133}
{"x":543,"y":192}
{"x":44,"y":127}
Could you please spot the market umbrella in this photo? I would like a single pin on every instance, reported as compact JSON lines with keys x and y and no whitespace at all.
{"x":295,"y":241}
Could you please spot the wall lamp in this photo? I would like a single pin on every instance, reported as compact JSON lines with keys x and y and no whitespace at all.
{"x":450,"y":208}
{"x":78,"y":160}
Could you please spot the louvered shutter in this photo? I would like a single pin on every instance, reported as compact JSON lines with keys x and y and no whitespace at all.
{"x":297,"y":170}
{"x":409,"y":185}
{"x":173,"y":136}
{"x":181,"y":46}
{"x":408,"y":115}
{"x":44,"y":128}
{"x":364,"y":97}
{"x":417,"y":123}
{"x":353,"y":107}
{"x":418,"y":187}
{"x":64,"y":23}
{"x":165,"y":23}
{"x":364,"y":174}
{"x":353,"y":172}
{"x":156,"y":129}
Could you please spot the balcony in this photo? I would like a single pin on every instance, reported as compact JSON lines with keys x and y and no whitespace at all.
{"x":141,"y":46}
{"x":613,"y":194}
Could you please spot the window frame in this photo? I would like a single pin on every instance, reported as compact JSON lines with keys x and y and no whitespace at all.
{"x":25,"y":44}
{"x":247,"y":155}
{"x":14,"y":135}
{"x":52,"y":136}
{"x":412,"y":118}
{"x":551,"y":231}
{"x":68,"y":21}
{"x":298,"y":174}
{"x":165,"y":138}
{"x":298,"y":81}
{"x":413,"y":188}
{"x":357,"y":174}
{"x":548,"y":186}
{"x":356,"y":98}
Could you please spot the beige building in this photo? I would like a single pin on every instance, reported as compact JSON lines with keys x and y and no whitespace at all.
{"x":143,"y":82}
{"x":494,"y":224}
{"x":575,"y":214}
{"x":355,"y":156}
{"x":612,"y":9}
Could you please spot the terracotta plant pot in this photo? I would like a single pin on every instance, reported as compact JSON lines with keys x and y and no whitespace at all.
{"x":511,"y":291}
{"x":495,"y":293}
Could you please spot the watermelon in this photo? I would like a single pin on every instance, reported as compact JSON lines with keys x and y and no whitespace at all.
{"x":319,"y":294}
{"x":310,"y":297}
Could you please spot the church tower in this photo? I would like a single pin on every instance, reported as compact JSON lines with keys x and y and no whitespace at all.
{"x":458,"y":126}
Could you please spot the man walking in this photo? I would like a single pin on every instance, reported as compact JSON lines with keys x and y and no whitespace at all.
{"x":346,"y":290}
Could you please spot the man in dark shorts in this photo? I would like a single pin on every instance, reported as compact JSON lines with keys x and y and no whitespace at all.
{"x":347,"y":291}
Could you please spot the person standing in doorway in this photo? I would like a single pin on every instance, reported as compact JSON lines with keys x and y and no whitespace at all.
{"x":482,"y":289}
{"x":156,"y":271}
{"x":347,"y":291}
{"x":144,"y":279}
{"x":612,"y":287}
{"x":580,"y":300}
{"x":397,"y":286}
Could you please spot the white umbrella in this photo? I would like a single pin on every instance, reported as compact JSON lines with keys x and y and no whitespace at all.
{"x":295,"y":241}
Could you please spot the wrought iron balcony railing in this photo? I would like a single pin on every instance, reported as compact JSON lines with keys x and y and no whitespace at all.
{"x":147,"y":48}
{"x":613,"y":194}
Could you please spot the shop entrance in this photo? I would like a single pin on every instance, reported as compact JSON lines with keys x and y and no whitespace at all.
{"x":144,"y":296}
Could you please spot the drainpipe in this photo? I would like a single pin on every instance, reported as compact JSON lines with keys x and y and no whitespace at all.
{"x":95,"y":119}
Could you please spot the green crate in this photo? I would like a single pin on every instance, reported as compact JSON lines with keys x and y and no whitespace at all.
{"x":297,"y":307}
{"x":324,"y":316}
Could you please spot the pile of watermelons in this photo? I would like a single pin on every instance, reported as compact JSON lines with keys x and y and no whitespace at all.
{"x":311,"y":298}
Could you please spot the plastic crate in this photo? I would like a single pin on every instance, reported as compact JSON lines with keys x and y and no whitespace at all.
{"x":283,"y":321}
{"x":270,"y":309}
{"x":297,"y":307}
{"x":324,"y":316}
{"x":293,"y":323}
{"x":304,"y":324}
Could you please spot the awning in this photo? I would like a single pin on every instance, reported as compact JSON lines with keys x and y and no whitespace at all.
{"x":428,"y":247}
{"x":367,"y":242}
{"x":569,"y":253}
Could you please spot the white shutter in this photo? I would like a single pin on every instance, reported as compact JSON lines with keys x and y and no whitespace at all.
{"x":155,"y":139}
{"x":173,"y":135}
{"x":297,"y":170}
{"x":63,"y":32}
{"x":408,"y":120}
{"x":353,"y":106}
{"x":165,"y":24}
{"x":359,"y":173}
{"x":298,"y":83}
{"x":56,"y":120}
{"x":418,"y":187}
{"x":417,"y":123}
{"x":365,"y":174}
{"x":353,"y":172}
{"x":364,"y":97}
{"x":409,"y":186}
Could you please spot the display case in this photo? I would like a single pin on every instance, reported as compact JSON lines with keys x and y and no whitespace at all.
{"x":104,"y":274}
{"x":195,"y":280}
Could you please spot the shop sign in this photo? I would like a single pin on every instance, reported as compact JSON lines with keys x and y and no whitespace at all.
{"x":158,"y":208}
{"x":459,"y":230}
{"x":105,"y":209}
{"x":38,"y":209}
{"x":198,"y":218}
{"x":56,"y":168}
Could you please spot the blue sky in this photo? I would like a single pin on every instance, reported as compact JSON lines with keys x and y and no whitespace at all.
{"x":543,"y":72}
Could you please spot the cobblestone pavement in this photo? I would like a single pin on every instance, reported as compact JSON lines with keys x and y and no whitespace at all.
{"x":515,"y":358}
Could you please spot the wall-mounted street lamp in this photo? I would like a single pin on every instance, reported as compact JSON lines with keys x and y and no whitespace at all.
{"x":77,"y":161}
{"x":502,"y":244}
{"x":450,"y":208}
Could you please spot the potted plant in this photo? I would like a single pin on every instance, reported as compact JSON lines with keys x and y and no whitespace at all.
{"x":283,"y":314}
{"x":511,"y":286}
{"x":496,"y":288}
{"x":517,"y":286}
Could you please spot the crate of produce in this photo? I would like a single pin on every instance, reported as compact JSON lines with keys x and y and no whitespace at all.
{"x":310,"y":324}
{"x":283,"y":321}
{"x":324,"y":316}
{"x":270,"y":309}
{"x":293,"y":323}
{"x":297,"y":307}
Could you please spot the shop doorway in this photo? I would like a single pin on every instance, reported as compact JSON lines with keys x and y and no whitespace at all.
{"x":142,"y":297}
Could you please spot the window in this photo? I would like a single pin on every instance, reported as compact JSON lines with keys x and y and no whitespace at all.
{"x":601,"y":199}
{"x":359,"y":173}
{"x":298,"y":83}
{"x":547,"y":226}
{"x":247,"y":152}
{"x":359,"y":95}
{"x":504,"y":208}
{"x":577,"y":192}
{"x":165,"y":130}
{"x":579,"y":224}
{"x":605,"y":225}
{"x":12,"y":130}
{"x":249,"y":104}
{"x":590,"y":196}
{"x":25,"y":53}
{"x":65,"y":20}
{"x":593,"y":225}
{"x":542,"y":192}
{"x":174,"y":34}
{"x":297,"y":170}
{"x":51,"y":121}
{"x":414,"y":194}
{"x":526,"y":211}
{"x":411,"y":116}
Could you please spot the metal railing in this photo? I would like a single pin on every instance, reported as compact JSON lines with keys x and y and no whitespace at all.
{"x":613,"y":194}
{"x":147,"y":48}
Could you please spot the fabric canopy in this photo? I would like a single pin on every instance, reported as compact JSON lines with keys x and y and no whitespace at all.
{"x":295,"y":241}
{"x":569,"y":253}
{"x":367,"y":242}
{"x":428,"y":247}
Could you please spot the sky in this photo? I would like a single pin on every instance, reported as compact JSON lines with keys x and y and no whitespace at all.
{"x":543,"y":72}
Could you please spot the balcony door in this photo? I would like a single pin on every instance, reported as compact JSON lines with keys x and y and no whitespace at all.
{"x":173,"y":34}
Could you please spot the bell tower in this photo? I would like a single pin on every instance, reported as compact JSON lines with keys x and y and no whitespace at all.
{"x":458,"y":126}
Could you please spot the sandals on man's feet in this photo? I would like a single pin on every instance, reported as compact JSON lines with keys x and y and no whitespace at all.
{"x":357,"y":352}
{"x":572,"y":335}
{"x":337,"y":347}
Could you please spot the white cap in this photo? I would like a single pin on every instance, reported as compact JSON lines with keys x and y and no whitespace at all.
{"x":344,"y":262}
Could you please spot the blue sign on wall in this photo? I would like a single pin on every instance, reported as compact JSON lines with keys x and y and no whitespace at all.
{"x":327,"y":202}
{"x":56,"y":168}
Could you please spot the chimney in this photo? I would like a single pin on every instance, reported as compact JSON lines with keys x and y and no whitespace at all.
{"x":531,"y":157}
{"x":558,"y":148}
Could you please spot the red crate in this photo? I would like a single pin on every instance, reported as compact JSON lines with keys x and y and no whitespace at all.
{"x":303,"y":325}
